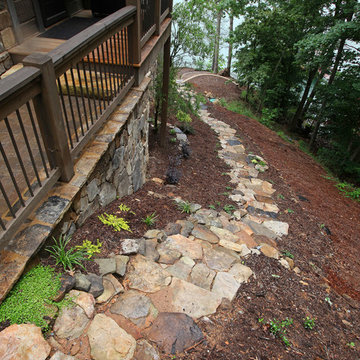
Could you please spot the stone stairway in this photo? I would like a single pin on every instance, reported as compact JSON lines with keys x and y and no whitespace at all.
{"x":176,"y":276}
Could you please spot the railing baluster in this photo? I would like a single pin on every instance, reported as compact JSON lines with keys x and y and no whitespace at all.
{"x":87,"y":92}
{"x":71,"y":107}
{"x":11,"y":175}
{"x":18,"y":155}
{"x":28,"y":146}
{"x":77,"y":101}
{"x":37,"y":139}
{"x":105,"y":73}
{"x":97,"y":82}
{"x":101,"y":78}
{"x":2,"y":224}
{"x":123,"y":51}
{"x":118,"y":65}
{"x":65,"y":112}
{"x":12,"y":212}
{"x":82,"y":97}
{"x":111,"y":71}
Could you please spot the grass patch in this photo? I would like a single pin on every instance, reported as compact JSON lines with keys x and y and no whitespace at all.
{"x":30,"y":299}
{"x":238,"y":107}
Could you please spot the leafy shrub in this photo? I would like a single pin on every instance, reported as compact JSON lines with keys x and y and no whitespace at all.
{"x":184,"y":207}
{"x":183,"y":117}
{"x":117,"y":223}
{"x":90,"y":248}
{"x":150,"y":220}
{"x":68,"y":259}
{"x":278,"y":328}
{"x":268,"y":117}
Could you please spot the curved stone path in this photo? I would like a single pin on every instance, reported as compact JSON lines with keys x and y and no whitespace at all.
{"x":174,"y":276}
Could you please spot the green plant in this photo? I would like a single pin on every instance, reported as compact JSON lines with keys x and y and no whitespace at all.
{"x":183,"y":117}
{"x":118,"y":223}
{"x":309,"y":323}
{"x":351,"y":344}
{"x":125,"y":208}
{"x":280,"y":196}
{"x":288,"y":254}
{"x":238,"y":107}
{"x":225,"y":193}
{"x":150,"y":220}
{"x":184,"y":206}
{"x":68,"y":259}
{"x":289,"y":211}
{"x":211,"y":206}
{"x":328,"y":301}
{"x":229,"y":188}
{"x":173,"y":140}
{"x":278,"y":328}
{"x":30,"y":300}
{"x":90,"y":248}
{"x":349,"y":190}
{"x":261,"y":320}
{"x":172,"y":132}
{"x":229,"y":209}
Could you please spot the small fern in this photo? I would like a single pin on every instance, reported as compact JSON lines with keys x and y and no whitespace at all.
{"x":118,"y":223}
{"x":125,"y":208}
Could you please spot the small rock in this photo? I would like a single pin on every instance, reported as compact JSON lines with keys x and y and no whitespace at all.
{"x":245,"y":238}
{"x":112,"y":287}
{"x":180,"y":270}
{"x":85,"y":300}
{"x":144,"y":351}
{"x":194,"y":208}
{"x":297,"y":270}
{"x":185,"y":246}
{"x":174,"y":332}
{"x":71,"y":322}
{"x":61,"y":356}
{"x":224,"y":234}
{"x":290,"y":262}
{"x":106,"y":266}
{"x":121,"y":263}
{"x":23,"y":342}
{"x":108,"y":341}
{"x":130,"y":246}
{"x":218,"y":260}
{"x":231,"y":245}
{"x":347,"y":323}
{"x":284,"y":263}
{"x":168,"y":255}
{"x":96,"y":288}
{"x":81,"y":282}
{"x":269,"y":251}
{"x":172,"y":229}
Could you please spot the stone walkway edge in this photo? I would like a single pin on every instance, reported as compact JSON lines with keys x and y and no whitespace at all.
{"x":150,"y":296}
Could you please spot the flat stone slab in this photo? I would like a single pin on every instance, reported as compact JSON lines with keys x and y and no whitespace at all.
{"x":145,"y":275}
{"x":202,"y":276}
{"x":85,"y":300}
{"x":174,"y":332}
{"x":23,"y":342}
{"x":223,"y":234}
{"x":184,"y":297}
{"x":181,"y":269}
{"x":241,"y":272}
{"x":203,"y":233}
{"x":132,"y":305}
{"x":144,"y":351}
{"x":185,"y":246}
{"x":225,"y":285}
{"x":112,"y":287}
{"x":108,"y":341}
{"x":278,"y":227}
{"x":106,"y":266}
{"x":218,"y":260}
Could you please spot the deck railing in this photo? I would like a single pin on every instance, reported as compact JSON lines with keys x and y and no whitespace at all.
{"x":50,"y":109}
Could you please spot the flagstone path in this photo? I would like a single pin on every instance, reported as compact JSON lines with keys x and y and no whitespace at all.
{"x":171,"y":277}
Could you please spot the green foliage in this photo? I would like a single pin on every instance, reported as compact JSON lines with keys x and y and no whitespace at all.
{"x":229,"y":209}
{"x":288,"y":254}
{"x":238,"y":107}
{"x":117,"y":223}
{"x":68,"y":259}
{"x":124,"y":208}
{"x":172,"y":140}
{"x":309,"y":323}
{"x":172,"y":132}
{"x":280,"y":196}
{"x":183,"y":117}
{"x":30,"y":300}
{"x":351,"y":344}
{"x":349,"y":190}
{"x":268,"y":117}
{"x":184,"y":207}
{"x":213,"y":207}
{"x":278,"y":328}
{"x":150,"y":220}
{"x":90,"y":248}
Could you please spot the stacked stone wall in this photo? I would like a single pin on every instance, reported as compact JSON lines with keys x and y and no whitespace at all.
{"x":7,"y":38}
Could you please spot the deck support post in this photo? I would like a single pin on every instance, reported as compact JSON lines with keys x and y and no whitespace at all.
{"x":157,"y":16}
{"x":48,"y":111}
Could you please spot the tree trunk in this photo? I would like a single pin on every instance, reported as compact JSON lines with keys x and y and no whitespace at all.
{"x":355,"y":154}
{"x":297,"y":119}
{"x":231,"y":28}
{"x":215,"y":64}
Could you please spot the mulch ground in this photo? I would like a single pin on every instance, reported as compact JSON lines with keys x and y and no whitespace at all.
{"x":320,"y":251}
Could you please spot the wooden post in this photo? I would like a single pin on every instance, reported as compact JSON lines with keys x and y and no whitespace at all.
{"x":49,"y":114}
{"x":15,"y":21}
{"x":165,"y":92}
{"x":135,"y":33}
{"x":157,"y":16}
